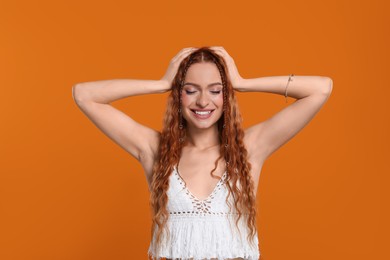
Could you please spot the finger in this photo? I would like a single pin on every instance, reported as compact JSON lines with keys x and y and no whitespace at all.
{"x":221,"y":52}
{"x":184,"y":51}
{"x":217,"y":47}
{"x":189,"y":49}
{"x":181,"y":56}
{"x":187,"y":52}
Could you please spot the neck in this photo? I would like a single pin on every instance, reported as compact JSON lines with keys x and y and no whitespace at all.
{"x":202,"y":138}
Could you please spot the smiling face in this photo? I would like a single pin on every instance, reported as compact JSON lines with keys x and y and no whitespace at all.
{"x":202,"y":95}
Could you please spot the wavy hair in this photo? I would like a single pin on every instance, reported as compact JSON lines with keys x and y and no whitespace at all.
{"x":232,"y":148}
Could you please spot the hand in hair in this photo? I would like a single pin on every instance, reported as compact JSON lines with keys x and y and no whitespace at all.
{"x":235,"y":78}
{"x":174,"y":65}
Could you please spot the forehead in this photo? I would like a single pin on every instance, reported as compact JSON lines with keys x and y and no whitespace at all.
{"x":203,"y":72}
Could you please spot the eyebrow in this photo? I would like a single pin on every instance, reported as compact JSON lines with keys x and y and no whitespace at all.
{"x":196,"y":85}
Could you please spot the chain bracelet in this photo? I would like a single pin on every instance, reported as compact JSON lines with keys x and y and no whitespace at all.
{"x":290,"y":78}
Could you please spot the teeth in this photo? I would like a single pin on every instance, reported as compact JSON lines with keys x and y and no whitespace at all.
{"x":202,"y":112}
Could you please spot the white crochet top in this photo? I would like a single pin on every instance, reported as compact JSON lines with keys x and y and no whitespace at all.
{"x":202,"y":229}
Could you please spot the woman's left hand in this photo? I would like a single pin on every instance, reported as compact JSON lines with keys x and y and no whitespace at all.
{"x":235,"y":78}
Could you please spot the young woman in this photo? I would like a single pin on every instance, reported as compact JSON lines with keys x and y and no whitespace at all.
{"x":203,"y":168}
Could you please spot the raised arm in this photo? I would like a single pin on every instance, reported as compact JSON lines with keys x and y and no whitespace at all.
{"x":94,"y":98}
{"x":310,"y":92}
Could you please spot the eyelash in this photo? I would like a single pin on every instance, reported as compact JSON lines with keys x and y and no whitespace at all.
{"x":214,"y":92}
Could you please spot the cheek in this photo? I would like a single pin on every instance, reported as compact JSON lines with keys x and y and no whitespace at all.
{"x":185,"y":99}
{"x":218,"y":100}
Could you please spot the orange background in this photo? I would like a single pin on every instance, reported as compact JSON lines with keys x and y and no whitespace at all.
{"x":69,"y":192}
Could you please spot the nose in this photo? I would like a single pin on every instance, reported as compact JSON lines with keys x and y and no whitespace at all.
{"x":203,"y":100}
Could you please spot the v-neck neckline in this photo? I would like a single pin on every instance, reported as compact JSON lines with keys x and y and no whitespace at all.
{"x":176,"y":170}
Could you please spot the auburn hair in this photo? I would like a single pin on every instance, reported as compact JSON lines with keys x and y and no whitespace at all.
{"x":232,"y":148}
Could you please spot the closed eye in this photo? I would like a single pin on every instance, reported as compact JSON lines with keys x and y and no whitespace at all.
{"x":192,"y":92}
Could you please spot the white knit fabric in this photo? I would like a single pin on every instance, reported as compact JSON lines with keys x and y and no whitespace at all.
{"x":203,"y":229}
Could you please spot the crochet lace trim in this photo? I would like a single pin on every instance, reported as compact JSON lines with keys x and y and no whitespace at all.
{"x":201,"y":205}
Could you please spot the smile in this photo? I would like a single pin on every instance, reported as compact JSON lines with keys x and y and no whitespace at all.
{"x":202,"y":114}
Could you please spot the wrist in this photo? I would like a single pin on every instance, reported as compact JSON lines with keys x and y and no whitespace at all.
{"x":241,"y":85}
{"x":163,"y":85}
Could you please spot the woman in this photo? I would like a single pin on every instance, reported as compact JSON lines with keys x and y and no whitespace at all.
{"x":203,"y":169}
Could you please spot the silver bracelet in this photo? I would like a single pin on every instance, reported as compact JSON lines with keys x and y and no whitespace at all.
{"x":290,"y":78}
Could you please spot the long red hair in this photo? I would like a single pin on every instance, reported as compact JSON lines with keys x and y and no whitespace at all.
{"x":232,"y":148}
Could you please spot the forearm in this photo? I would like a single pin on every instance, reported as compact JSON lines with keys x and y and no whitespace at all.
{"x":299,"y":87}
{"x":106,"y":91}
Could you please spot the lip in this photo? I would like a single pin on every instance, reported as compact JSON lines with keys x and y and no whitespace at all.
{"x":202,"y":116}
{"x":202,"y":110}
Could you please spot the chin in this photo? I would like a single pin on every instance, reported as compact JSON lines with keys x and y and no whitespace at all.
{"x":204,"y":126}
{"x":201,"y":125}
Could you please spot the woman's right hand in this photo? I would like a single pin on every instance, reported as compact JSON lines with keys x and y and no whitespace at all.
{"x":174,"y":65}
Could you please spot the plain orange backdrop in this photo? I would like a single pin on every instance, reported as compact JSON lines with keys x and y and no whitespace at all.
{"x":69,"y":192}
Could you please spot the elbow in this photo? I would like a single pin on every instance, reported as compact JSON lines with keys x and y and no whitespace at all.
{"x":77,"y":93}
{"x":330,"y":85}
{"x":326,"y":86}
